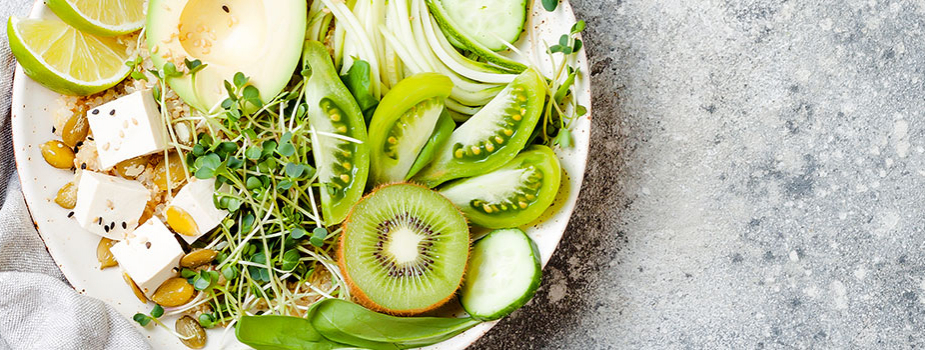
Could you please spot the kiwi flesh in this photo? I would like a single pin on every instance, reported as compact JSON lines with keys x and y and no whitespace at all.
{"x":403,"y":250}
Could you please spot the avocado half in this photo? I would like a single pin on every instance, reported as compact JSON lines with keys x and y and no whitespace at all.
{"x":262,"y":39}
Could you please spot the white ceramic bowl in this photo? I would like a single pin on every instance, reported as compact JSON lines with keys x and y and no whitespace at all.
{"x":74,"y":250}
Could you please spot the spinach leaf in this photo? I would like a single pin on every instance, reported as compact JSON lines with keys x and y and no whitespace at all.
{"x":271,"y":332}
{"x":358,"y":82}
{"x":349,"y":323}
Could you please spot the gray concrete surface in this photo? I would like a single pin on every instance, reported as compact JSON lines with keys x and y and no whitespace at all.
{"x":756,"y":182}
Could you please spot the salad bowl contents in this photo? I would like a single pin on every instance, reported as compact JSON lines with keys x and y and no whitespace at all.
{"x":302,"y":174}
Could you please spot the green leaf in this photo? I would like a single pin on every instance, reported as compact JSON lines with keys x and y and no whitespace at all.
{"x":577,"y":45}
{"x":204,"y":173}
{"x":227,"y":103}
{"x":286,"y":150}
{"x":194,"y":65}
{"x":564,"y":138}
{"x":253,"y":183}
{"x":170,"y":70}
{"x":580,"y":110}
{"x":250,"y":93}
{"x":253,"y":153}
{"x":555,"y":48}
{"x":229,"y":272}
{"x":187,"y":273}
{"x":202,"y":281}
{"x":207,"y":320}
{"x":563,"y":40}
{"x":297,"y":233}
{"x":359,"y":83}
{"x":268,"y":332}
{"x":139,"y":76}
{"x":142,"y":319}
{"x":294,"y":170}
{"x":156,"y":92}
{"x":351,"y":324}
{"x":315,"y":241}
{"x":578,"y":27}
{"x":157,"y":311}
{"x":284,"y":185}
{"x":320,"y":232}
{"x":269,"y":147}
{"x":239,"y":79}
{"x":291,"y":259}
{"x":550,"y":5}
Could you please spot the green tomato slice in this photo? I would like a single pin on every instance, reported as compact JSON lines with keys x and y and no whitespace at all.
{"x":442,"y":132}
{"x":339,"y":137}
{"x":513,"y":195}
{"x":402,"y":125}
{"x":493,"y":136}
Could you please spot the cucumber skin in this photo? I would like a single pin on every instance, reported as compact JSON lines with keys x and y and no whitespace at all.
{"x":445,"y":24}
{"x":531,"y":289}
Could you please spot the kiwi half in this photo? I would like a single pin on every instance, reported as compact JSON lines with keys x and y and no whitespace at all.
{"x":404,"y":249}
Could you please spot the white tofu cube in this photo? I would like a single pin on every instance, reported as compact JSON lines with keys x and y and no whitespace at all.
{"x":109,"y":206}
{"x":195,"y":200}
{"x":126,"y":128}
{"x":149,"y":255}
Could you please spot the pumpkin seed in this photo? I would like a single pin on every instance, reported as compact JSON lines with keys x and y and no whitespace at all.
{"x":141,"y":296}
{"x":57,"y":154}
{"x":103,"y":255}
{"x":198,"y":257}
{"x":173,"y":292}
{"x":131,"y":168}
{"x":189,"y":327}
{"x":176,"y":174}
{"x":181,"y":221}
{"x":67,"y":196}
{"x":75,"y":129}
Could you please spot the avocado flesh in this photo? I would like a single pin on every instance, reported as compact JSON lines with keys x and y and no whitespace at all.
{"x":261,"y":39}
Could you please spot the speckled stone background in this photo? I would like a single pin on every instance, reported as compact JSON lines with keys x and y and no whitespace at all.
{"x":756,"y":181}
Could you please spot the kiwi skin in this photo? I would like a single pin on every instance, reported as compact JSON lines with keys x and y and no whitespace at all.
{"x":358,"y":295}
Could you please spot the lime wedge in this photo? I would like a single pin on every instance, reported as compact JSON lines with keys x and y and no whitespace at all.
{"x":101,"y":17}
{"x":64,"y":59}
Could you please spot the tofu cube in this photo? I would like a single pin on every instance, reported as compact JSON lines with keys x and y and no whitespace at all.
{"x":126,"y":128}
{"x":149,"y":255}
{"x":109,"y":206}
{"x":192,"y":212}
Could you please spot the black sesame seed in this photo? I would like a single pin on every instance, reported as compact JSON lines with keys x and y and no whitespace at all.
{"x":124,"y":225}
{"x":53,"y":130}
{"x":112,"y":225}
{"x":99,"y":221}
{"x":79,"y":143}
{"x":112,"y":112}
{"x":76,"y":149}
{"x":95,"y":111}
{"x":90,"y":138}
{"x":83,"y":166}
{"x":106,"y":228}
{"x":148,"y":245}
{"x":225,"y":8}
{"x":70,"y":214}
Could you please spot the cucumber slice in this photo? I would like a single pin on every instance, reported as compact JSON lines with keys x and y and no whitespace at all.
{"x":488,"y":22}
{"x":452,"y":29}
{"x":504,"y":274}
